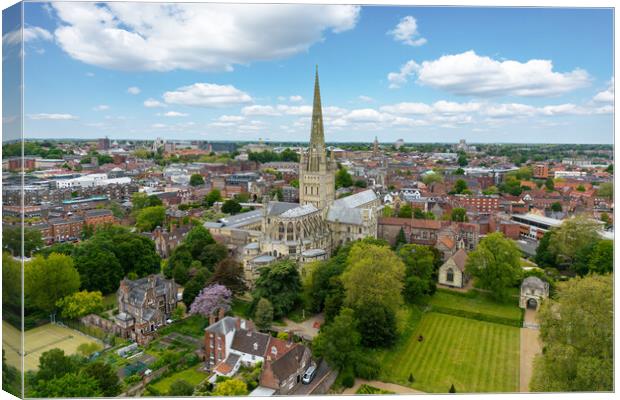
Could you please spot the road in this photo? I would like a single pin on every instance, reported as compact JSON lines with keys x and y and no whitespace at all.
{"x":302,"y":389}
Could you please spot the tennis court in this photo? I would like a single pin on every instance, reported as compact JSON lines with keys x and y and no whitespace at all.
{"x":39,"y":340}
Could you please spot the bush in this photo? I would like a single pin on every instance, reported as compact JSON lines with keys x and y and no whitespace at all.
{"x":348,"y":379}
{"x":367,"y":367}
{"x":132,"y":379}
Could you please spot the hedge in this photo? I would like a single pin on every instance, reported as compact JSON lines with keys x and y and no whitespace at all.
{"x":478,"y":316}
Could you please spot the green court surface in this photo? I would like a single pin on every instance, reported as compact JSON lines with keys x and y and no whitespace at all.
{"x":39,"y":340}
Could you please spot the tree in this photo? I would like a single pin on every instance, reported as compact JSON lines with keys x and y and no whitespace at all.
{"x":458,"y":214}
{"x":343,"y":178}
{"x":98,"y":266}
{"x":231,"y":206}
{"x":11,"y":281}
{"x":601,"y":259}
{"x":491,"y":190}
{"x":229,"y":273}
{"x":69,"y":385}
{"x":12,"y":240}
{"x":196,"y":180}
{"x":387,"y":211}
{"x":576,"y":328}
{"x":573,"y":235}
{"x":460,"y":186}
{"x":360,"y":183}
{"x":149,"y":218}
{"x":88,"y":348}
{"x":106,"y":378}
{"x":180,"y":388}
{"x":231,"y":387}
{"x":495,"y":264}
{"x":549,"y":184}
{"x":405,"y":211}
{"x":459,"y":171}
{"x":462,"y":160}
{"x":374,"y":273}
{"x":211,"y":299}
{"x":212,"y":197}
{"x":377,"y":325}
{"x":339,"y":341}
{"x":556,"y":206}
{"x":81,"y":303}
{"x":279,"y":283}
{"x":48,"y":280}
{"x":432,"y":177}
{"x":263,"y":316}
{"x":606,"y":190}
{"x":452,"y":389}
{"x":400,"y":239}
{"x":194,"y":286}
{"x":419,"y":271}
{"x":54,"y":363}
{"x":545,"y":257}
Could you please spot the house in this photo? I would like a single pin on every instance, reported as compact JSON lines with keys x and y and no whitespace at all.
{"x":533,"y":291}
{"x":284,"y":373}
{"x":144,"y":305}
{"x":452,"y":272}
{"x":232,"y":342}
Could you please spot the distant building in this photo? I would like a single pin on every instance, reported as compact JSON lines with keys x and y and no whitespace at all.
{"x":452,"y":272}
{"x":399,"y":143}
{"x":533,"y":291}
{"x":541,"y":171}
{"x":103,"y":144}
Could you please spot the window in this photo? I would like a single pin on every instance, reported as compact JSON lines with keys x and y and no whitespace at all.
{"x":450,"y":275}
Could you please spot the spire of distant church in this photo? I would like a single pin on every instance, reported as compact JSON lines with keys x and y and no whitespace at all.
{"x":317,"y":136}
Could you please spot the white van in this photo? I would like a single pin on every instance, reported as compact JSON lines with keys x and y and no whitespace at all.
{"x":309,"y":375}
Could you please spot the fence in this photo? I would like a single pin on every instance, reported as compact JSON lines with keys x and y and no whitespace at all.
{"x":92,"y":331}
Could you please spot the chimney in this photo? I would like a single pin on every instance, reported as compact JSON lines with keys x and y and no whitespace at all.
{"x":238,"y":323}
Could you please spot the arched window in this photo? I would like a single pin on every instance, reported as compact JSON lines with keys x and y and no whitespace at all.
{"x":281,"y":231}
{"x":450,"y":275}
{"x":289,"y":231}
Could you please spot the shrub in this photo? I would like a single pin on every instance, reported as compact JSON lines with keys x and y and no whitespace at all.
{"x":367,"y":367}
{"x":348,"y":379}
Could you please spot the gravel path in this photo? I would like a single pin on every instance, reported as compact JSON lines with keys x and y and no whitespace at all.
{"x":530,"y":347}
{"x":398,"y":389}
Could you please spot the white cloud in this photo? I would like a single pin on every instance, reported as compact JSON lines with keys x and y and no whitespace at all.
{"x":133,"y":90}
{"x":296,"y":99}
{"x":397,"y":79}
{"x":508,"y":110}
{"x":101,"y":107}
{"x":207,"y":95}
{"x":563,"y":109}
{"x":295,"y":110}
{"x":152,"y":103}
{"x":259,"y":110}
{"x":607,"y":95}
{"x":52,"y":116}
{"x":90,"y":74}
{"x":365,"y":99}
{"x":173,"y":114}
{"x":408,"y":108}
{"x":206,"y":37}
{"x":231,"y":118}
{"x":470,"y":74}
{"x":407,"y":32}
{"x":29,"y":34}
{"x":608,"y":109}
{"x":159,"y":126}
{"x":449,"y":107}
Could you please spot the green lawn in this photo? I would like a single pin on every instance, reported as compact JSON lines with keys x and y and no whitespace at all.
{"x":192,"y":326}
{"x":477,"y":302}
{"x":191,"y":375}
{"x":473,"y":355}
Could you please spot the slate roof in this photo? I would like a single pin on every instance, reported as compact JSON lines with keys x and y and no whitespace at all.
{"x":357,"y":199}
{"x":223,"y":326}
{"x":279,"y":207}
{"x":288,"y":364}
{"x":345,"y":215}
{"x":250,"y":342}
{"x":460,"y":258}
{"x":534,"y":283}
{"x":299,"y":211}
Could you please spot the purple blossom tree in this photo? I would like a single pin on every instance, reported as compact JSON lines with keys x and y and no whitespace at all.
{"x":210,"y":299}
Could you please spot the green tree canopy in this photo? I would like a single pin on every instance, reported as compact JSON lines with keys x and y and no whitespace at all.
{"x":419,"y":271}
{"x":229,"y":273}
{"x":12,"y":240}
{"x":495,"y":264}
{"x":263,"y":316}
{"x":181,"y":388}
{"x":279,"y":283}
{"x":458,"y":214}
{"x":48,"y":280}
{"x":572,"y":236}
{"x":231,"y":387}
{"x":105,"y":376}
{"x":343,"y":178}
{"x":460,"y":186}
{"x":576,"y":328}
{"x":149,"y":218}
{"x":405,"y":211}
{"x":339,"y":341}
{"x":80,"y":304}
{"x":212,"y":197}
{"x":373,"y":273}
{"x":231,"y":206}
{"x":196,"y":180}
{"x":606,"y":190}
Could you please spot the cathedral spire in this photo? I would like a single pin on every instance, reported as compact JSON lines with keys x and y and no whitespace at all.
{"x":317,"y":136}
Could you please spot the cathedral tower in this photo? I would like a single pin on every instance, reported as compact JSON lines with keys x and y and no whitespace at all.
{"x":316,"y":171}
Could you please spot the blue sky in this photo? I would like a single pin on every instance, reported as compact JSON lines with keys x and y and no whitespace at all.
{"x":243,"y":73}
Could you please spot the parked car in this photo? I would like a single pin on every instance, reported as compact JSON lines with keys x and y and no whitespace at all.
{"x":309,"y":375}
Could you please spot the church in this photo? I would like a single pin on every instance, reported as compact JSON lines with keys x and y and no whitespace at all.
{"x":320,"y":223}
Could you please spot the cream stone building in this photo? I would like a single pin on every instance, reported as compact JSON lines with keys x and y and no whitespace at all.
{"x":312,"y":229}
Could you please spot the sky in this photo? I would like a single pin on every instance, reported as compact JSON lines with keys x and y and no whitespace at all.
{"x":245,"y":72}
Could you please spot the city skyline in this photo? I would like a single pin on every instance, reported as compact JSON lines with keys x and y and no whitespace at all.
{"x":490,"y":77}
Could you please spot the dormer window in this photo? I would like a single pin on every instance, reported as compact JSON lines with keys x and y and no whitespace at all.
{"x":274,"y":350}
{"x":255,"y":346}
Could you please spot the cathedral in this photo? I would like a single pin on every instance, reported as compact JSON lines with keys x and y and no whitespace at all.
{"x":320,"y":223}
